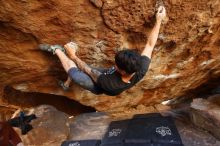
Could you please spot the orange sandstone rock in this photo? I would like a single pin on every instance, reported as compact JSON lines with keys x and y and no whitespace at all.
{"x":187,"y":53}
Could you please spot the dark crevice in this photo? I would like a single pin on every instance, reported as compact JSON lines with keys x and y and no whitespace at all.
{"x":206,"y":90}
{"x":31,"y":99}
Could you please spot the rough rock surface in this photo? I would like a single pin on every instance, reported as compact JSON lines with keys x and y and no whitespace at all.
{"x":186,"y":56}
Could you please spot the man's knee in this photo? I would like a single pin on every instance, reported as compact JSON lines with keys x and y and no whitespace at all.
{"x":78,"y":76}
{"x":71,"y":64}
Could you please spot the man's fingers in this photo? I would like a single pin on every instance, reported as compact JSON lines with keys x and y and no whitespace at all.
{"x":161,"y":10}
{"x":72,"y":45}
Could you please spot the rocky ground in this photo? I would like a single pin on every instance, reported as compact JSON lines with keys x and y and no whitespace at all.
{"x":198,"y":123}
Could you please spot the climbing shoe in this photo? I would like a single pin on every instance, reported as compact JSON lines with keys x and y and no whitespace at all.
{"x":51,"y":48}
{"x":61,"y":84}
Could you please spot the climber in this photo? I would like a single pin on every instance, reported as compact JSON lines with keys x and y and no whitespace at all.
{"x":130,"y":66}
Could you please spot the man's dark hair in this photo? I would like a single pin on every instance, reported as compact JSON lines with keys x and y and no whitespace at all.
{"x":128,"y":60}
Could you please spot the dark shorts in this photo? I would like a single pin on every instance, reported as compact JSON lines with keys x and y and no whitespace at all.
{"x":84,"y":80}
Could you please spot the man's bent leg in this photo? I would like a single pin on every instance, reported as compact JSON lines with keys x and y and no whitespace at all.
{"x":93,"y":73}
{"x":79,"y":77}
{"x":84,"y":80}
{"x":66,"y":62}
{"x":68,"y":82}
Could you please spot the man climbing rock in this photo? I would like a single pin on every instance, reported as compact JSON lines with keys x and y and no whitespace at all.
{"x":130,"y":66}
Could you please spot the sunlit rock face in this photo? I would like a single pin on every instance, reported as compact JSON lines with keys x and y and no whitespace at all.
{"x":187,"y":52}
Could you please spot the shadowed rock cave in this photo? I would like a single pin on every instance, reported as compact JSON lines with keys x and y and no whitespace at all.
{"x":209,"y":88}
{"x":23,"y":100}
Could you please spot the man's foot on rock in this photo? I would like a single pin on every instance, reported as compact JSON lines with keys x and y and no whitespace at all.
{"x":51,"y":48}
{"x":61,"y":84}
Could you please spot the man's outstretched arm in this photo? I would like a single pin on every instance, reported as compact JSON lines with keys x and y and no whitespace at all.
{"x":154,"y":33}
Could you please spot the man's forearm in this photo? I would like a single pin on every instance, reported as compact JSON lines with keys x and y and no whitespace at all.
{"x":81,"y":64}
{"x":154,"y":34}
{"x":152,"y":39}
{"x":93,"y":73}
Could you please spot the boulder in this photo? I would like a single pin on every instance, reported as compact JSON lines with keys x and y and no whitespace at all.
{"x":50,"y":127}
{"x":206,"y":115}
{"x":89,"y":126}
{"x":192,"y":136}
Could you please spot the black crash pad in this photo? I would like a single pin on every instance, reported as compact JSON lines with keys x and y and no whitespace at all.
{"x":116,"y":133}
{"x":142,"y":144}
{"x":148,"y":144}
{"x":152,"y":128}
{"x":143,"y":130}
{"x":81,"y":143}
